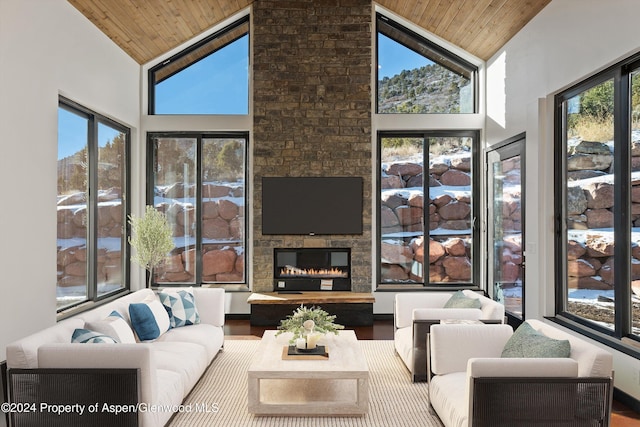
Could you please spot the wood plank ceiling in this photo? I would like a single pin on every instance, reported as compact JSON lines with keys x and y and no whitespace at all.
{"x":146,"y":29}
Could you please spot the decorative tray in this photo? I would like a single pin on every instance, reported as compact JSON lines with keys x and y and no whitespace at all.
{"x":318,"y":353}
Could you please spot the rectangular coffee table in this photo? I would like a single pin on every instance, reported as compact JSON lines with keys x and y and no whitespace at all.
{"x":338,"y":385}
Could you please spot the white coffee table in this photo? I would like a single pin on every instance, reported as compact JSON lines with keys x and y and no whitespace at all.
{"x":338,"y":385}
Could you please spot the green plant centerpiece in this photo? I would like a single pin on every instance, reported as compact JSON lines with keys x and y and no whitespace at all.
{"x":152,"y":239}
{"x":309,"y":324}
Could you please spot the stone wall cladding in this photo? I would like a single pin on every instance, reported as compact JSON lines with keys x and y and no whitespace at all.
{"x":312,"y":113}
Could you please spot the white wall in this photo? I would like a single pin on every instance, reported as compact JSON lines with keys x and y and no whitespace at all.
{"x":47,"y":48}
{"x":567,"y":41}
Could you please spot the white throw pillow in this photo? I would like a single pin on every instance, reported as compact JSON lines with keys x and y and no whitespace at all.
{"x":114,"y":326}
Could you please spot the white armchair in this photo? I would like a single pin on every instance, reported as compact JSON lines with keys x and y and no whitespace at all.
{"x":415,"y":312}
{"x":473,"y":386}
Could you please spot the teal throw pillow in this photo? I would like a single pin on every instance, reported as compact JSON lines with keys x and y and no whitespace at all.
{"x":86,"y":336}
{"x":527,"y":342}
{"x":181,"y":307}
{"x":149,"y":320}
{"x":460,"y":300}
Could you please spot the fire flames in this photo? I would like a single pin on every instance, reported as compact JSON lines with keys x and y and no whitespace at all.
{"x":291,"y":271}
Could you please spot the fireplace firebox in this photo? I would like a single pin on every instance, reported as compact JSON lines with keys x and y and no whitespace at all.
{"x":312,"y":269}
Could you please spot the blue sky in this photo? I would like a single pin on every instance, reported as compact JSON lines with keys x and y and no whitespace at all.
{"x":215,"y":85}
{"x":72,"y":133}
{"x":393,"y":58}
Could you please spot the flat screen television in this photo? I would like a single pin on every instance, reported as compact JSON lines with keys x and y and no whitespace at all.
{"x":311,"y":205}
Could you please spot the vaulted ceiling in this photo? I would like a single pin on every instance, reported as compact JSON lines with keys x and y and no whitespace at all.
{"x":146,"y":29}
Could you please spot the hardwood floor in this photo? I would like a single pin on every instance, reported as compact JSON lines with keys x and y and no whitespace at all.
{"x":622,"y":416}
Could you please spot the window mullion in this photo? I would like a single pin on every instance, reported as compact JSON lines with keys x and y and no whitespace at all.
{"x":92,"y":209}
{"x":622,"y":201}
{"x":198,"y":207}
{"x":426,"y":217}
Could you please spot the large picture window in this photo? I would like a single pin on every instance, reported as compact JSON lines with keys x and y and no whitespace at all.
{"x":416,"y":75}
{"x":598,"y":154}
{"x":210,"y":77}
{"x":199,"y":181}
{"x":428,"y":208}
{"x":91,"y":209}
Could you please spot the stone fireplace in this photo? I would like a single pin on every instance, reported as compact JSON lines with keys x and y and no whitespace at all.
{"x":312,"y":269}
{"x":312,"y":117}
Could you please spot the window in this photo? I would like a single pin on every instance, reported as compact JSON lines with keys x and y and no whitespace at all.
{"x":427,"y":218}
{"x":198,"y":180}
{"x":92,"y":249}
{"x":210,"y":77}
{"x":435,"y":80}
{"x":598,"y":234}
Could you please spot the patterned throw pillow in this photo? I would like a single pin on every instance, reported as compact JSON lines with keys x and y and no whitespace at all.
{"x":527,"y":342}
{"x":114,"y":326}
{"x":460,"y":300}
{"x":149,"y":319}
{"x":181,"y":307}
{"x":87,"y":336}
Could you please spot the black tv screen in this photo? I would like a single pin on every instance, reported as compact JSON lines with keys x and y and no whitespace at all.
{"x":311,"y":205}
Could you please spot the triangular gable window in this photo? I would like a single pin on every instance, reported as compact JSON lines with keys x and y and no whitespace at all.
{"x":417,"y":76}
{"x":210,"y":77}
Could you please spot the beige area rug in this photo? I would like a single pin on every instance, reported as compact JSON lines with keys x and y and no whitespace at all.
{"x":393,"y":399}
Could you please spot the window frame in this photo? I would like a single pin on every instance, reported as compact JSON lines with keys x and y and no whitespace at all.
{"x":150,"y":193}
{"x":622,"y":331}
{"x":94,"y":119}
{"x":475,"y":282}
{"x":431,"y":47}
{"x":151,"y":72}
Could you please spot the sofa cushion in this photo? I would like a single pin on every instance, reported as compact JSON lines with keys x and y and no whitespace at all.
{"x":84,"y":336}
{"x":403,"y":343}
{"x":208,"y":336}
{"x":448,"y":396}
{"x":168,"y":397}
{"x":149,"y":319}
{"x":114,"y":326}
{"x":527,"y":342}
{"x":460,"y":300}
{"x":186,"y":359}
{"x":180,"y":306}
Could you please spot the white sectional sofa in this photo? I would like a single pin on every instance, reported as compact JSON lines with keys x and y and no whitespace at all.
{"x":415,"y":312}
{"x":170,"y":365}
{"x":475,"y":384}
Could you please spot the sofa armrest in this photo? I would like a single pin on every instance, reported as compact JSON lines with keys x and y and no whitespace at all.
{"x":491,"y":310}
{"x":211,"y":305}
{"x":80,"y":389}
{"x":405,"y":303}
{"x":451,"y":346}
{"x":75,"y":355}
{"x":543,"y":401}
{"x":561,"y":367}
{"x":438,"y":314}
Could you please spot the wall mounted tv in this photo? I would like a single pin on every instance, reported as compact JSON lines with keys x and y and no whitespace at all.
{"x":311,"y":205}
